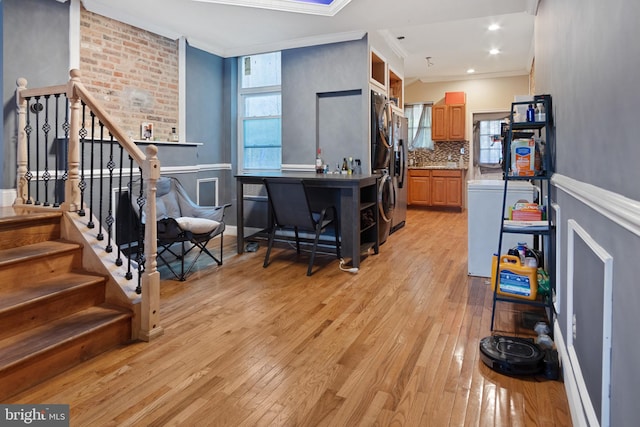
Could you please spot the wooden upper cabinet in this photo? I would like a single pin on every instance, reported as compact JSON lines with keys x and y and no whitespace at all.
{"x":396,"y":89}
{"x":448,"y":122}
{"x":439,"y":123}
{"x":456,"y":122}
{"x":378,"y":72}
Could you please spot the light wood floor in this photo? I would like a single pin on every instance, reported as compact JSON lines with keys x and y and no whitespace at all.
{"x":395,"y":344}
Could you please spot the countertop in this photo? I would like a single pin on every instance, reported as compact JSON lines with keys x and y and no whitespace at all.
{"x":456,"y":167}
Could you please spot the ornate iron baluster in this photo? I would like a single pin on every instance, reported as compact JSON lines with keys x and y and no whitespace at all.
{"x":119,"y":238}
{"x":109,"y":221}
{"x":28,"y":175}
{"x":56,"y":199}
{"x":35,"y":109}
{"x":129,"y":275}
{"x":140,"y":258}
{"x":82,"y":185}
{"x":46,"y":175}
{"x":90,"y":224}
{"x":66,"y":126}
{"x":101,"y":195}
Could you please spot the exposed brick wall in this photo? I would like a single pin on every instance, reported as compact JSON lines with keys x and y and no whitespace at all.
{"x":133,"y":73}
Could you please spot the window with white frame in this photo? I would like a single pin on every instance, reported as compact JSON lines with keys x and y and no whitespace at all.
{"x":260,"y":112}
{"x":487,"y":138}
{"x":419,"y":125}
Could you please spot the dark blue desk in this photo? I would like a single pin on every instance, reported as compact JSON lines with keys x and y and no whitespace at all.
{"x":354,"y":193}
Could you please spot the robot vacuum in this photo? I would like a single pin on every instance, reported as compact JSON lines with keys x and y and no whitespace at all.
{"x":512,"y":355}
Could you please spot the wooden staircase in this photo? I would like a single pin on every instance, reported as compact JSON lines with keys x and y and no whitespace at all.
{"x":52,"y":313}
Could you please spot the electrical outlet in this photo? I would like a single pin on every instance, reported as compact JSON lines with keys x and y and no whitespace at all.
{"x":461,"y":150}
{"x":574,"y":326}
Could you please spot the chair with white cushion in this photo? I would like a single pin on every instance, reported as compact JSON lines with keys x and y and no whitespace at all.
{"x":182,"y":222}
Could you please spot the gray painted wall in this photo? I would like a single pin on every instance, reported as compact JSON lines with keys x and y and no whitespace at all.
{"x":36,"y":47}
{"x":207,"y":111}
{"x":204,"y":80}
{"x":587,"y":58}
{"x":308,"y":75}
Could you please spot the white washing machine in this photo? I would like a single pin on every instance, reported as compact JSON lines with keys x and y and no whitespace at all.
{"x":484,"y":202}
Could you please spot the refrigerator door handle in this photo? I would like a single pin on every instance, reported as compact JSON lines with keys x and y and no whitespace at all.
{"x":403,"y":163}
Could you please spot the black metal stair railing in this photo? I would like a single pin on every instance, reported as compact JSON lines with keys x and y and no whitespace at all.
{"x":100,"y":168}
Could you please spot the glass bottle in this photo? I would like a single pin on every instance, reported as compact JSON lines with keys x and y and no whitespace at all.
{"x":540,"y":113}
{"x":531,"y":114}
{"x":319,"y":164}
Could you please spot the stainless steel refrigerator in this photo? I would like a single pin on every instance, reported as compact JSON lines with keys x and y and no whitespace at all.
{"x":399,"y":137}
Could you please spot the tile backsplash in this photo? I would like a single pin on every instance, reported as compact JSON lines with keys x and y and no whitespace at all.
{"x":440,"y":154}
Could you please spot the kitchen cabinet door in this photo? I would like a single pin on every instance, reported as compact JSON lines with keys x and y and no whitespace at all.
{"x":447,"y":122}
{"x":446,"y":188}
{"x":454,"y":191}
{"x":456,"y":122}
{"x":419,"y":190}
{"x":439,"y":191}
{"x":439,"y":123}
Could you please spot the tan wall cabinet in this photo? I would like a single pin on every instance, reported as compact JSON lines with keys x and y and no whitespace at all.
{"x":448,"y":122}
{"x":436,"y":187}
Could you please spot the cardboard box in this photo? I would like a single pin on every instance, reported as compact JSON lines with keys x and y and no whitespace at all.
{"x":526,"y":212}
{"x":455,"y":98}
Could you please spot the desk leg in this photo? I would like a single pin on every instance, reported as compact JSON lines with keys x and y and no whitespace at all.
{"x":240,"y":216}
{"x":350,"y":224}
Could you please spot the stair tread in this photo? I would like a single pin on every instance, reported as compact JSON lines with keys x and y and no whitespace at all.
{"x":33,"y":292}
{"x":32,"y":342}
{"x":23,"y":253}
{"x":15,"y":217}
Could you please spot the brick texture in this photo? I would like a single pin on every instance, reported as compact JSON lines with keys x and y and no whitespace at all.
{"x":132,"y":73}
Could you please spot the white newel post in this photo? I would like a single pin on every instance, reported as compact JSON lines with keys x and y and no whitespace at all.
{"x":150,"y":310}
{"x":21,"y":152}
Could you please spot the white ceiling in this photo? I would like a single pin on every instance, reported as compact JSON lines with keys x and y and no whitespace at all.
{"x":452,"y":32}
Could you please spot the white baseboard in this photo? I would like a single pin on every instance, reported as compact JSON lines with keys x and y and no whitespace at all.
{"x":578,"y":417}
{"x":7,"y":197}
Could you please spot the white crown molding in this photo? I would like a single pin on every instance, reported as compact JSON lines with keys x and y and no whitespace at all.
{"x":532,"y":7}
{"x":619,"y":209}
{"x":473,"y":76}
{"x":393,"y":43}
{"x":100,"y":8}
{"x":296,"y":43}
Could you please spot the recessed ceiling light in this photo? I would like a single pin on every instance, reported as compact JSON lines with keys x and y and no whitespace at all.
{"x":494,"y":51}
{"x":471,"y":71}
{"x":494,"y":27}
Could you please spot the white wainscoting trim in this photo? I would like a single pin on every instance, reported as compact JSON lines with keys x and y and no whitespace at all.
{"x":574,"y":229}
{"x":214,"y":167}
{"x":216,"y":186}
{"x":557,"y":292}
{"x":620,"y":209}
{"x":570,"y":386}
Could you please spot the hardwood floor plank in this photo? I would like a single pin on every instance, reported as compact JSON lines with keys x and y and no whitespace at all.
{"x":395,"y":344}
